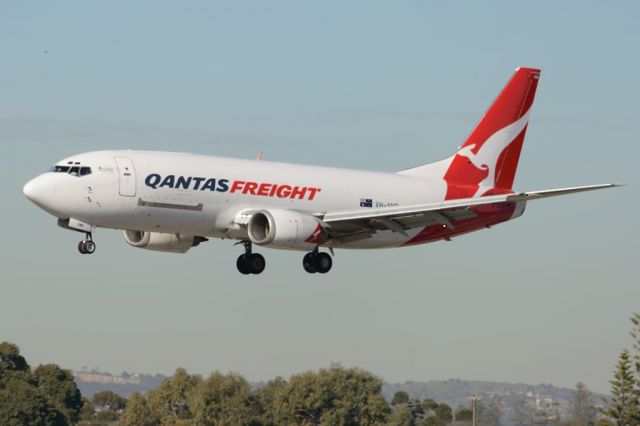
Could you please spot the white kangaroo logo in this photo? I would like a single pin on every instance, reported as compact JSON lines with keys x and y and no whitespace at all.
{"x":487,"y":156}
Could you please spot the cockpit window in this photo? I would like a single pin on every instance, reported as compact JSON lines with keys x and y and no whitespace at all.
{"x":60,"y":169}
{"x":72,"y":170}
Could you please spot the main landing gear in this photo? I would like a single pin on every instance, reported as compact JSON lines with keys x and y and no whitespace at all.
{"x":250,"y":263}
{"x":87,"y":246}
{"x":316,"y":261}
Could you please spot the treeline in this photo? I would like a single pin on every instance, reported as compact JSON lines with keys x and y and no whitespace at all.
{"x":47,"y":395}
{"x":332,"y":396}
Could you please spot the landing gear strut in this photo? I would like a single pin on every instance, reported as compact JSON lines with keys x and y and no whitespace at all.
{"x":250,"y":263}
{"x":87,"y":246}
{"x":316,"y":261}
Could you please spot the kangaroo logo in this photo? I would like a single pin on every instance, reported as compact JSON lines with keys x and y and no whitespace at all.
{"x":483,"y":157}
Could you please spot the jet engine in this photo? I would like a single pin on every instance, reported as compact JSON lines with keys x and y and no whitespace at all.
{"x":285,"y":229}
{"x":158,"y":241}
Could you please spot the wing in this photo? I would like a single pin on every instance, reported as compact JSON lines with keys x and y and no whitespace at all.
{"x":346,"y":226}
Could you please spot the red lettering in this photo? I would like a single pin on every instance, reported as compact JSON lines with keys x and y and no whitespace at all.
{"x":263,"y":190}
{"x":250,"y":188}
{"x":313,"y":192}
{"x":284,"y":191}
{"x":274,"y":188}
{"x":298,"y":191}
{"x":236,"y":185}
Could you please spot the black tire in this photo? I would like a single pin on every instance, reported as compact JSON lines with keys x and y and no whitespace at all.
{"x":89,"y":247}
{"x":309,"y":264}
{"x":81,"y":247}
{"x":242,"y":265}
{"x":323,"y":263}
{"x":256,"y":263}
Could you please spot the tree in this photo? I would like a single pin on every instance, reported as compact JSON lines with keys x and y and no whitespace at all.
{"x":623,"y":407}
{"x":463,"y":415}
{"x":87,"y":411}
{"x":402,"y":416}
{"x":224,"y":400}
{"x":582,"y":411}
{"x":400,"y":397}
{"x":22,"y":403}
{"x":10,"y":359}
{"x":138,"y":413}
{"x":109,"y":400}
{"x":333,"y":396}
{"x":266,"y":397}
{"x":172,"y":398}
{"x":61,"y":390}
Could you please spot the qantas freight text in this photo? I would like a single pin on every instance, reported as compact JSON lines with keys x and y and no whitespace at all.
{"x":262,"y":189}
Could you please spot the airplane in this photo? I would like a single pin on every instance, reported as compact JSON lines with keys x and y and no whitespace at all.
{"x":171,"y":202}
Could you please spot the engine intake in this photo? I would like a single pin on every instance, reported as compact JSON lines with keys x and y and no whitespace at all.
{"x":285,"y":229}
{"x":158,"y":241}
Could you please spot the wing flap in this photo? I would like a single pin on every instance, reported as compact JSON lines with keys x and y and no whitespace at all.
{"x":361,"y":224}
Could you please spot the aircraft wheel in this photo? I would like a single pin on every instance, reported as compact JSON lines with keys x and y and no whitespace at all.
{"x":243,"y":265}
{"x":81,"y":247}
{"x":323,"y":263}
{"x":256,"y":263}
{"x":309,"y":264}
{"x":89,"y":247}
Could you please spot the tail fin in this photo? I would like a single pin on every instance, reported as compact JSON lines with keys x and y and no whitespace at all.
{"x":487,"y":161}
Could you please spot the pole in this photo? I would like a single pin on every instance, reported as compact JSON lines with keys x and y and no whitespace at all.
{"x":474,"y":409}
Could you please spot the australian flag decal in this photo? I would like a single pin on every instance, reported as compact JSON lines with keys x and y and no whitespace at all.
{"x":366,"y":202}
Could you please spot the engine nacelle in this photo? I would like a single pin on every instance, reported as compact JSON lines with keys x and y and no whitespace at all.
{"x":285,"y":229}
{"x":158,"y":241}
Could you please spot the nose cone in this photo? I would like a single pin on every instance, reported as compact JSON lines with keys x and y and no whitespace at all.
{"x":40,"y":190}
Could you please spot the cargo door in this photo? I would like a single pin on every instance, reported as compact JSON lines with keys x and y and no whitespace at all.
{"x":127,"y":175}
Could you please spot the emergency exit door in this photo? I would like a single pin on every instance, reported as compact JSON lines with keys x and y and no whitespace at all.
{"x":127,"y":176}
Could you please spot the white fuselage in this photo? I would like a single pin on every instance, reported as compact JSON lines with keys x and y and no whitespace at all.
{"x":173,"y":193}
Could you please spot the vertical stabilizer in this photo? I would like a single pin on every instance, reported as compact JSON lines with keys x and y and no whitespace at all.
{"x":487,"y":161}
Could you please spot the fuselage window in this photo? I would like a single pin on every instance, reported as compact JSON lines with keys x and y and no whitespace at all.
{"x":75,"y":170}
{"x":85,"y":171}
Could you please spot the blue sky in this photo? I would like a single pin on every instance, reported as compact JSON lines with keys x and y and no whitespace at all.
{"x":369,"y":85}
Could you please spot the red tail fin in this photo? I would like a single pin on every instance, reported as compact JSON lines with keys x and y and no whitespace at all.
{"x":488,"y":160}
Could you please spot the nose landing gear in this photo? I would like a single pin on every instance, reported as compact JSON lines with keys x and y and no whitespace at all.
{"x":87,"y":246}
{"x":316,"y":261}
{"x":250,"y":263}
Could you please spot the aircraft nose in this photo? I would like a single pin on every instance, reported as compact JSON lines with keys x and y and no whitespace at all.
{"x":39,"y":190}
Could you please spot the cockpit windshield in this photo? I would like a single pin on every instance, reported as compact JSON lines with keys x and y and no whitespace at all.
{"x":74,"y":169}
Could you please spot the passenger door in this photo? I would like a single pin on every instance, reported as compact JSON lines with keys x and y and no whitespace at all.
{"x":127,"y":175}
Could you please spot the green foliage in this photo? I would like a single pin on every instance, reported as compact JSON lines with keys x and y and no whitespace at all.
{"x":171,"y":400}
{"x":463,"y":415}
{"x":400,"y":397}
{"x":62,"y":392}
{"x":224,"y":400}
{"x":10,"y":359}
{"x":45,"y":396}
{"x":138,"y":413}
{"x":334,"y":396}
{"x":623,"y":407}
{"x":402,"y":416}
{"x":109,"y":400}
{"x":266,"y":397}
